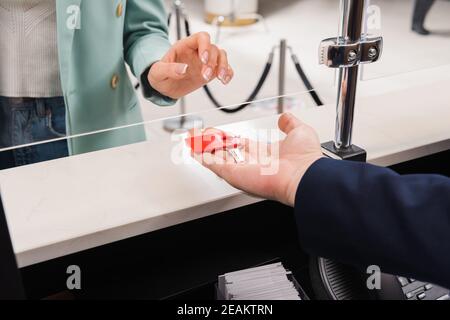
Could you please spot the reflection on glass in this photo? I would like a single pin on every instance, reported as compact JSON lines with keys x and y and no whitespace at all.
{"x":416,"y":35}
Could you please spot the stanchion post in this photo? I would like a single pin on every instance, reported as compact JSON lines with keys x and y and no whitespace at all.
{"x":346,"y":53}
{"x":177,"y":7}
{"x":282,"y":76}
{"x":184,"y":122}
{"x":351,"y":28}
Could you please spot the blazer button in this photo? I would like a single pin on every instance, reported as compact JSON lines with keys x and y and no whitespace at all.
{"x":119,"y":10}
{"x":114,"y":81}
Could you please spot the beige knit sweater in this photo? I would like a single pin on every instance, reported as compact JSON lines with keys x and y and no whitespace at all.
{"x":28,"y":49}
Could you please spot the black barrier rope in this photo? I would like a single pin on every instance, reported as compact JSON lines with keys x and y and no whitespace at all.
{"x":187,"y":27}
{"x":261,"y":81}
{"x":252,"y":96}
{"x":305,"y":80}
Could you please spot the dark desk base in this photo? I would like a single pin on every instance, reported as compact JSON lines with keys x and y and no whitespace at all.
{"x":185,"y":257}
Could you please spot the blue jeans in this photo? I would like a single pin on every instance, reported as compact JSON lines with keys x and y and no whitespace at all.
{"x":28,"y":120}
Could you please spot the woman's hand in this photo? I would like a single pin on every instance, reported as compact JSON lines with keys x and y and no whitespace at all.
{"x":190,"y":64}
{"x":291,"y":157}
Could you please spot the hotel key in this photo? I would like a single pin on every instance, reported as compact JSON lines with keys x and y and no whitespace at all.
{"x":212,"y":140}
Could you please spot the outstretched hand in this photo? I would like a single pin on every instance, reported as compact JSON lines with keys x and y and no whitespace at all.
{"x":190,"y":64}
{"x":292,"y":156}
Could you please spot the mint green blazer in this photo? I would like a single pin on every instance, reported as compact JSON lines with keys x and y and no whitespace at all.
{"x":95,"y":40}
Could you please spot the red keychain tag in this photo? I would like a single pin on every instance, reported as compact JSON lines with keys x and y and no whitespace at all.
{"x":211,"y":140}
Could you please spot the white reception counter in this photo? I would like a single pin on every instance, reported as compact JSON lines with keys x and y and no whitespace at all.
{"x":69,"y":205}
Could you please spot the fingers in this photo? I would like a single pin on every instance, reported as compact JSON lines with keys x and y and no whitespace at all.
{"x":201,"y":42}
{"x":222,"y":164}
{"x":288,"y":122}
{"x":207,"y":52}
{"x":230,"y":75}
{"x":214,"y":60}
{"x":218,"y":66}
{"x":162,"y":70}
{"x":225,"y":73}
{"x":243,"y":176}
{"x":224,"y":158}
{"x":210,"y":67}
{"x":204,"y":46}
{"x":219,"y":162}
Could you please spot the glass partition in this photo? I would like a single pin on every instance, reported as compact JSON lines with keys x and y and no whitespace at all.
{"x":118,"y":107}
{"x":153,"y":132}
{"x":416,"y":35}
{"x":99,"y":91}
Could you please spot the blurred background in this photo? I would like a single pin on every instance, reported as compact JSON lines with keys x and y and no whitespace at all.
{"x":304,"y":24}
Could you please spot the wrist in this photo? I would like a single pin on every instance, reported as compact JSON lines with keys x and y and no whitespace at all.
{"x":297,"y":176}
{"x":149,"y":78}
{"x":152,"y":90}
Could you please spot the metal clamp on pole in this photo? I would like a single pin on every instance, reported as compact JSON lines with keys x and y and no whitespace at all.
{"x":347,"y":52}
{"x":335,"y":54}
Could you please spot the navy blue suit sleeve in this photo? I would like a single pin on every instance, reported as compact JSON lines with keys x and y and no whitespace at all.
{"x":364,"y":215}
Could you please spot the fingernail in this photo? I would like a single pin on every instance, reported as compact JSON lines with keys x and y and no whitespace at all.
{"x":205,"y":57}
{"x":181,"y":68}
{"x":222,"y":75}
{"x":207,"y":74}
{"x":227,"y":79}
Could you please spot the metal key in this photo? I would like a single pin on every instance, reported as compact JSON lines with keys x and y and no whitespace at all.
{"x":237,"y":155}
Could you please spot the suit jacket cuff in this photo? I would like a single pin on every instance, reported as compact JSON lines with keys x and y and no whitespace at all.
{"x":325,"y":219}
{"x":142,"y":56}
{"x":151,"y":94}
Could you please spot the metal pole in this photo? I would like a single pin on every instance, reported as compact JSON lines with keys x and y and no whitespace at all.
{"x":234,"y":10}
{"x":177,"y":5}
{"x":282,"y":76}
{"x":351,"y":27}
{"x":184,"y":122}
